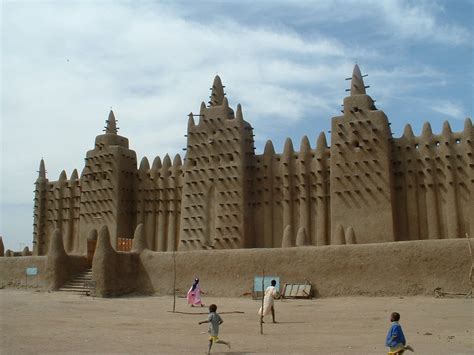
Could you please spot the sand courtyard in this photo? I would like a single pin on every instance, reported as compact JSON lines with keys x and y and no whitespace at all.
{"x":45,"y":323}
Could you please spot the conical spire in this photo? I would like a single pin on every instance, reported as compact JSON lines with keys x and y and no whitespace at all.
{"x":202,"y":109}
{"x":177,"y":162}
{"x":357,"y":83}
{"x":217,"y":94}
{"x":225,"y":103}
{"x":111,"y":127}
{"x":139,"y":239}
{"x":467,"y":125}
{"x":321,"y":143}
{"x":74,"y":175}
{"x":350,"y":236}
{"x":191,"y":122}
{"x":156,"y":163}
{"x":447,"y":129}
{"x":42,"y":170}
{"x":408,"y":132}
{"x":426,"y":131}
{"x":338,"y":237}
{"x":238,"y":115}
{"x":269,"y":149}
{"x":288,"y":149}
{"x":287,"y":240}
{"x":144,"y":165}
{"x":305,"y":146}
{"x":62,"y":176}
{"x":302,"y":237}
{"x":166,"y":162}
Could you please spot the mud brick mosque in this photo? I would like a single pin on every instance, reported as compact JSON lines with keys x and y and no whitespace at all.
{"x":367,"y":187}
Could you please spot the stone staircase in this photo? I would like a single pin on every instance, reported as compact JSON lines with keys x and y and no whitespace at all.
{"x":81,"y":284}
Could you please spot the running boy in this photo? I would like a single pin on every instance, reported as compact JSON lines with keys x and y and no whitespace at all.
{"x":214,"y":321}
{"x":395,"y":338}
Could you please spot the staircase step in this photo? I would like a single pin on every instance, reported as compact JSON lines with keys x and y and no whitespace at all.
{"x":77,"y":284}
{"x":73,"y":289}
{"x":74,"y":284}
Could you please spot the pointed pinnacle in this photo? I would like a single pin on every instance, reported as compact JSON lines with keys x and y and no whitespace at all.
{"x":144,"y":165}
{"x":305,"y":146}
{"x":111,"y":127}
{"x":427,"y":131}
{"x":42,"y":170}
{"x":269,"y":149}
{"x":156,"y":163}
{"x":239,"y":116}
{"x":288,"y":150}
{"x":74,"y":175}
{"x":62,"y":176}
{"x":217,"y":94}
{"x":321,"y":143}
{"x":467,"y":125}
{"x":408,"y":132}
{"x":447,"y":129}
{"x":166,"y":162}
{"x":191,"y":122}
{"x":357,"y":83}
{"x":177,"y":161}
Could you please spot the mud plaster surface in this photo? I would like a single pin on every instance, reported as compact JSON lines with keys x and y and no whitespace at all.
{"x":37,"y":322}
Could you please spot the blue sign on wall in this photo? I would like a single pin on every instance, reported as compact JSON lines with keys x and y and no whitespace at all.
{"x":257,"y":283}
{"x":31,"y":271}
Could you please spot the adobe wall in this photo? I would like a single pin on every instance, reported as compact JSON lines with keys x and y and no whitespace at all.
{"x":388,"y":269}
{"x":159,"y":194}
{"x":291,"y":189}
{"x":366,"y":187}
{"x":13,"y":270}
{"x":434,"y":183}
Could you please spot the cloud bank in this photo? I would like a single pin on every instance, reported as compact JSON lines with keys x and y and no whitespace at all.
{"x":65,"y":64}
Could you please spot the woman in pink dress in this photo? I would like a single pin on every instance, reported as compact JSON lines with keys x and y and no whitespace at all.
{"x":194,"y":294}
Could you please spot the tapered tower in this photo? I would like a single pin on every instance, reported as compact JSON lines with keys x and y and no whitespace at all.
{"x":361,"y":176}
{"x":39,"y":212}
{"x":108,"y":186}
{"x":215,"y":186}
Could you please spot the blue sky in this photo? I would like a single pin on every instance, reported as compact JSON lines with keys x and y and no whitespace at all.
{"x":65,"y":64}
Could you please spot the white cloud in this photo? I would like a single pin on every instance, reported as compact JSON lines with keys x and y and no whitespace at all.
{"x":419,"y":21}
{"x":451,"y":109}
{"x":65,"y":64}
{"x":412,"y":21}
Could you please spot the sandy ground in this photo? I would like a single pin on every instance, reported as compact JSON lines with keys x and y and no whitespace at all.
{"x":39,"y":322}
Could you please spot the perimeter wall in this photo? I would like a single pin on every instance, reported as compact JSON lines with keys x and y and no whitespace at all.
{"x":388,"y":269}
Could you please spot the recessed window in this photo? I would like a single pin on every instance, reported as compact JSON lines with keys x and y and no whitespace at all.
{"x":458,"y":141}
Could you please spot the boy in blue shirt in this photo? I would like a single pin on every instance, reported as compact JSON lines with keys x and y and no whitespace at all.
{"x":395,"y":338}
{"x":214,"y":321}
